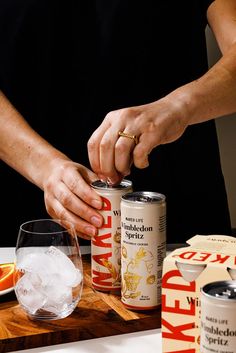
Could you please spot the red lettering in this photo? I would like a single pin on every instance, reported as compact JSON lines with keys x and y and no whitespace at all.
{"x":99,"y":258}
{"x":106,"y":204}
{"x":221,"y":259}
{"x":101,"y":278}
{"x":203,"y":257}
{"x":98,"y":240}
{"x":176,"y":309}
{"x":190,"y":287}
{"x":176,"y":331}
{"x":185,"y":351}
{"x":187,"y":255}
{"x":106,"y":207}
{"x":108,"y":224}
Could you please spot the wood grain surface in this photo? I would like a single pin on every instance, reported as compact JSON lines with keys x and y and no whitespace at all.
{"x":97,"y":315}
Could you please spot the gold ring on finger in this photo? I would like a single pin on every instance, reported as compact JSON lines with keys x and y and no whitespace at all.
{"x":133,"y":137}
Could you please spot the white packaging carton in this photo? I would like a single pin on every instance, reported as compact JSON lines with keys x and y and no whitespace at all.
{"x":185,"y":271}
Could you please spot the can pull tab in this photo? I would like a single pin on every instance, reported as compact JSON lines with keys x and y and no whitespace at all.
{"x":145,"y":199}
{"x":227,"y":294}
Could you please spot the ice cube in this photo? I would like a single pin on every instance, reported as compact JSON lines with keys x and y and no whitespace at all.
{"x":58,"y":296}
{"x":28,"y":292}
{"x":70,"y":276}
{"x":47,"y":281}
{"x":52,"y":262}
{"x":39,"y":263}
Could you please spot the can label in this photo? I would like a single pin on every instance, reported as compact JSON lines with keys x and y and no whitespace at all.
{"x":105,"y":246}
{"x":143,"y":248}
{"x":218,"y":317}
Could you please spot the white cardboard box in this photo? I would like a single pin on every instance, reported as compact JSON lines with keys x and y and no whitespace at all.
{"x":185,"y":271}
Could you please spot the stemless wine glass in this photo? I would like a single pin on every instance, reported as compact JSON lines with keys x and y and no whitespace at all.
{"x":48,"y":276}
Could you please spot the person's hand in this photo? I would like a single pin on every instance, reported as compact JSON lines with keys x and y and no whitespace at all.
{"x":68,"y":196}
{"x":111,"y":155}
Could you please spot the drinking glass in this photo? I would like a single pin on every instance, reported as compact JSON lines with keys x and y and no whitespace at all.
{"x":48,"y":275}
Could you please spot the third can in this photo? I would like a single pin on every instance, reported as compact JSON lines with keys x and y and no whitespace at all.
{"x":218,"y":317}
{"x":105,"y":247}
{"x":143,"y":248}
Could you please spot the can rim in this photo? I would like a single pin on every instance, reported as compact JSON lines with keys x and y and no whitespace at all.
{"x":132,"y":197}
{"x":102,"y":185}
{"x":204,"y":290}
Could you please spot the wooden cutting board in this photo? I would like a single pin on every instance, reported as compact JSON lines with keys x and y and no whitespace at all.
{"x":97,"y":315}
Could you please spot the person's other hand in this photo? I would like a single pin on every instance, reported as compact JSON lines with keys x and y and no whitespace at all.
{"x":111,"y":155}
{"x":68,"y":196}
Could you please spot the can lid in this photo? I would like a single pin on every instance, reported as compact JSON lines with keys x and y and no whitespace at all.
{"x":99,"y":184}
{"x":144,"y":197}
{"x":223,"y":290}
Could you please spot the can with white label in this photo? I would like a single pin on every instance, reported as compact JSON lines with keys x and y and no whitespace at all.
{"x":105,"y":246}
{"x":143,"y":248}
{"x":218,"y":317}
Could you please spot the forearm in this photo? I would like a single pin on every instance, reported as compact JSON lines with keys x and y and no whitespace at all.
{"x":21,"y":147}
{"x":212,"y":95}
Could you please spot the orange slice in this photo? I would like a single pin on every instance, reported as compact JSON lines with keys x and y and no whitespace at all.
{"x":6,"y":276}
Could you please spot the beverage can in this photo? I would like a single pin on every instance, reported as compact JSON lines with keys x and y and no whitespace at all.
{"x":218,"y":317}
{"x":105,"y":246}
{"x":143,"y":248}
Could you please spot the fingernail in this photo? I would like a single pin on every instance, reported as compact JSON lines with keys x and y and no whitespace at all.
{"x":90,"y":231}
{"x":96,"y":204}
{"x":112,"y":181}
{"x":102,"y":178}
{"x":96,"y":221}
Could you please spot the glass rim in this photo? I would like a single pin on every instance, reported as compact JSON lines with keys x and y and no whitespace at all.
{"x":53,"y":220}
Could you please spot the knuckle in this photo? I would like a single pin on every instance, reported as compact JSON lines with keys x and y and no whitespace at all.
{"x":125,"y":112}
{"x":109,"y":116}
{"x":139,"y":153}
{"x":48,"y":201}
{"x":129,"y":113}
{"x":62,"y":213}
{"x":151,"y":127}
{"x":91,"y":145}
{"x":86,"y":212}
{"x":72,"y":184}
{"x":83,"y":195}
{"x":140,"y":158}
{"x":49,"y":210}
{"x":64,"y":198}
{"x":48,"y":185}
{"x":104,"y":144}
{"x":120,"y":148}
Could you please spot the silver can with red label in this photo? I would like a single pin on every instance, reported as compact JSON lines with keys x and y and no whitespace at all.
{"x":218,"y":317}
{"x":105,"y":246}
{"x":143,"y":248}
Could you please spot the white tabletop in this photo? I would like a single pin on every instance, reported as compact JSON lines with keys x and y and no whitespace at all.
{"x":139,"y":342}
